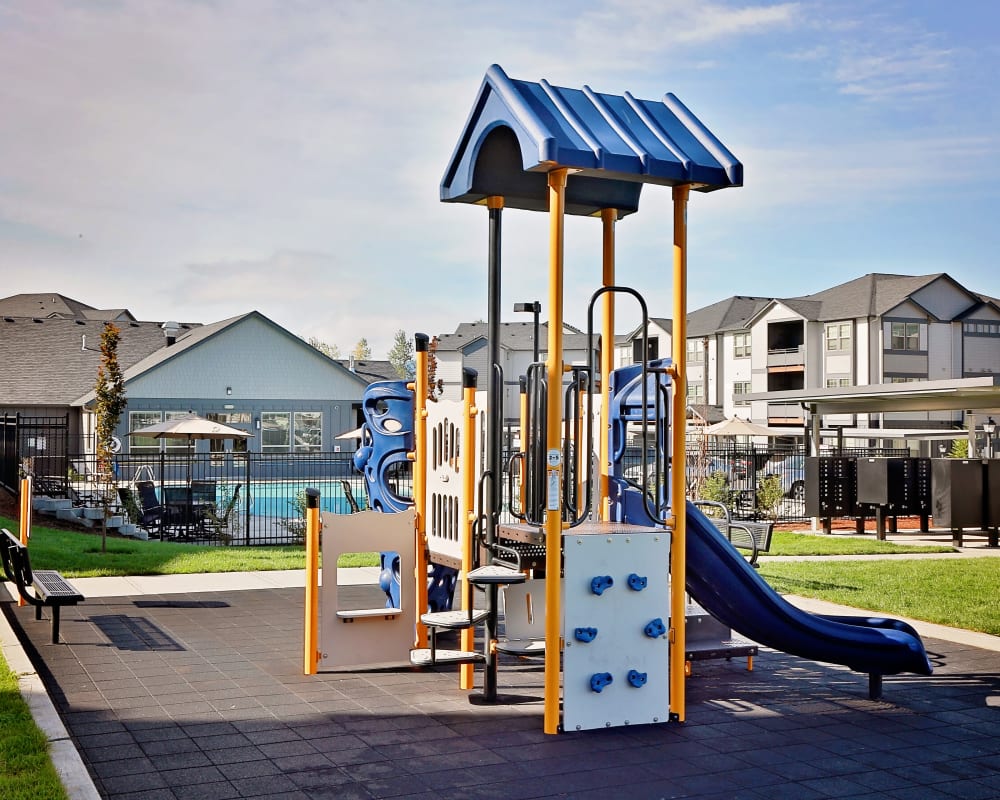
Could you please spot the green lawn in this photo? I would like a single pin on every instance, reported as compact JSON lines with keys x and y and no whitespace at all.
{"x":78,"y":554}
{"x":961,"y":593}
{"x":26,"y":771}
{"x":788,"y":543}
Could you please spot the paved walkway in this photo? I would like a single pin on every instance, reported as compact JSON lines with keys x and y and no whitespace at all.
{"x":191,"y":687}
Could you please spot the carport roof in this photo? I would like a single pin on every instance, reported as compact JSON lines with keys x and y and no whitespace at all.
{"x":518,"y":131}
{"x":947,"y":395}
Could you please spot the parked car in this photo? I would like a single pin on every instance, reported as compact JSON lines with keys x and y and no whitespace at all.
{"x":791,"y":471}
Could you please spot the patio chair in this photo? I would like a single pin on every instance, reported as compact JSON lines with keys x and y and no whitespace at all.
{"x":216,"y":525}
{"x":150,"y":508}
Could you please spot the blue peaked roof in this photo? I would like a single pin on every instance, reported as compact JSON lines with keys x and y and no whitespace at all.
{"x":518,"y":131}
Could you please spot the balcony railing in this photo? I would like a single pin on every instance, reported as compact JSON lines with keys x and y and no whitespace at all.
{"x":785,"y":413}
{"x":787,"y":356}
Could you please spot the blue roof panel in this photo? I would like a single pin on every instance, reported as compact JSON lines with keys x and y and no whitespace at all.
{"x":520,"y":130}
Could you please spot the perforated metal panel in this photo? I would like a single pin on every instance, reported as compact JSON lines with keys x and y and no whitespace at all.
{"x":618,"y":616}
{"x":445,"y":503}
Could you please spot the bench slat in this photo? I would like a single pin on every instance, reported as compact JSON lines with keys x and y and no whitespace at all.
{"x":55,"y":588}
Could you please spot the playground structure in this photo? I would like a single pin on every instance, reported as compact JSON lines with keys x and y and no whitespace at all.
{"x":612,"y":560}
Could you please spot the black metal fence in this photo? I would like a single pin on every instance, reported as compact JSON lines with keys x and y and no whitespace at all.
{"x":40,"y":445}
{"x":755,"y":482}
{"x":261,"y":495}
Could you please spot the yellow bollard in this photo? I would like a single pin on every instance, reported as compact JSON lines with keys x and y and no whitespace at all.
{"x":25,"y":519}
{"x":311,"y":645}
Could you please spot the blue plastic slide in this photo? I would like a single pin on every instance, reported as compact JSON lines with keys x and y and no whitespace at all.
{"x":725,"y":585}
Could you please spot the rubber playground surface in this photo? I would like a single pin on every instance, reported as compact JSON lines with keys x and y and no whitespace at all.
{"x":168,"y":690}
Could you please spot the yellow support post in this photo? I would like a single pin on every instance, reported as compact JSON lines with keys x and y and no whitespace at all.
{"x":553,"y":431}
{"x":310,"y":651}
{"x":419,"y":458}
{"x":24,"y":520}
{"x":678,"y":554}
{"x":608,"y":218}
{"x":468,"y":515}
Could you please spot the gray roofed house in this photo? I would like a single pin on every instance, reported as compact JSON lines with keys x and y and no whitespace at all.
{"x":246,"y":370}
{"x":467,"y":347}
{"x":52,"y":305}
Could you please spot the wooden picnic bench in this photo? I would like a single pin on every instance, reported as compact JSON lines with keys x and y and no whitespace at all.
{"x":750,"y":535}
{"x":48,"y":587}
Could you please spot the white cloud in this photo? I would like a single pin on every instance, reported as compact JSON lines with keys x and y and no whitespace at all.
{"x":288,"y":155}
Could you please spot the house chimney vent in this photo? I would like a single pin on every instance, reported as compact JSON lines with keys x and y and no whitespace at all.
{"x":170,"y":330}
{"x":351,"y":364}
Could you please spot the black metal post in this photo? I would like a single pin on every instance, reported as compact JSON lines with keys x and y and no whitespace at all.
{"x":494,"y":426}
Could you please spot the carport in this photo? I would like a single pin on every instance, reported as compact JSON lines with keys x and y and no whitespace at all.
{"x":978,"y":397}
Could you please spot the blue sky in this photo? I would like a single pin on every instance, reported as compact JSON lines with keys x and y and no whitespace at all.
{"x":197,"y":160}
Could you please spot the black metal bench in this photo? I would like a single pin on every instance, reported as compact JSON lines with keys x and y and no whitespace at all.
{"x":49,"y":588}
{"x":749,"y":535}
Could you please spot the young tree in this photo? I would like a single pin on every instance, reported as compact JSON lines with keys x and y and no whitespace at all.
{"x":401,"y":355}
{"x":110,"y":403}
{"x":362,"y":350}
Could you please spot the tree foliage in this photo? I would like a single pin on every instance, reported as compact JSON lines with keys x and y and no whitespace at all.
{"x":401,"y":355}
{"x":330,"y":350}
{"x":110,"y":391}
{"x":108,"y":408}
{"x":435,"y":386}
{"x":362,"y":350}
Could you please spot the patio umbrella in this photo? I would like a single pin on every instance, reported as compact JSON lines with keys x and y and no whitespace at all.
{"x":191,"y":427}
{"x":737,"y":427}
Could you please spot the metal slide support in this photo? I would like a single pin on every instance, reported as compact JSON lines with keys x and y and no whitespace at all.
{"x":678,"y":552}
{"x":467,"y":516}
{"x":310,"y":650}
{"x":608,"y":218}
{"x":553,"y":474}
{"x":419,"y":457}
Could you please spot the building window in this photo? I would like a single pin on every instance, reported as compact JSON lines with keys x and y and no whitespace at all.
{"x":308,"y":431}
{"x":652,"y":349}
{"x":229,"y":417}
{"x":138,"y":420}
{"x":905,"y":336}
{"x":176,"y":445}
{"x":838,"y":336}
{"x":696,"y":393}
{"x":274,"y":432}
{"x":740,"y":390}
{"x":741,"y":345}
{"x":981,"y":328}
{"x":837,"y":383}
{"x":905,"y":378}
{"x":696,"y":351}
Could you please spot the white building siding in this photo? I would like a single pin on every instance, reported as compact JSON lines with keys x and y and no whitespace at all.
{"x":982,"y":354}
{"x":943,"y":299}
{"x":940,"y":352}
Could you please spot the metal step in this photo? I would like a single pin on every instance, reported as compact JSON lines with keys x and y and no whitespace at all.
{"x":421,"y":657}
{"x":453,"y":620}
{"x":522,"y":647}
{"x":495,"y":574}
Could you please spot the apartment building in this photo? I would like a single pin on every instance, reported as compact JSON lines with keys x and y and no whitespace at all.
{"x":876,"y":329}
